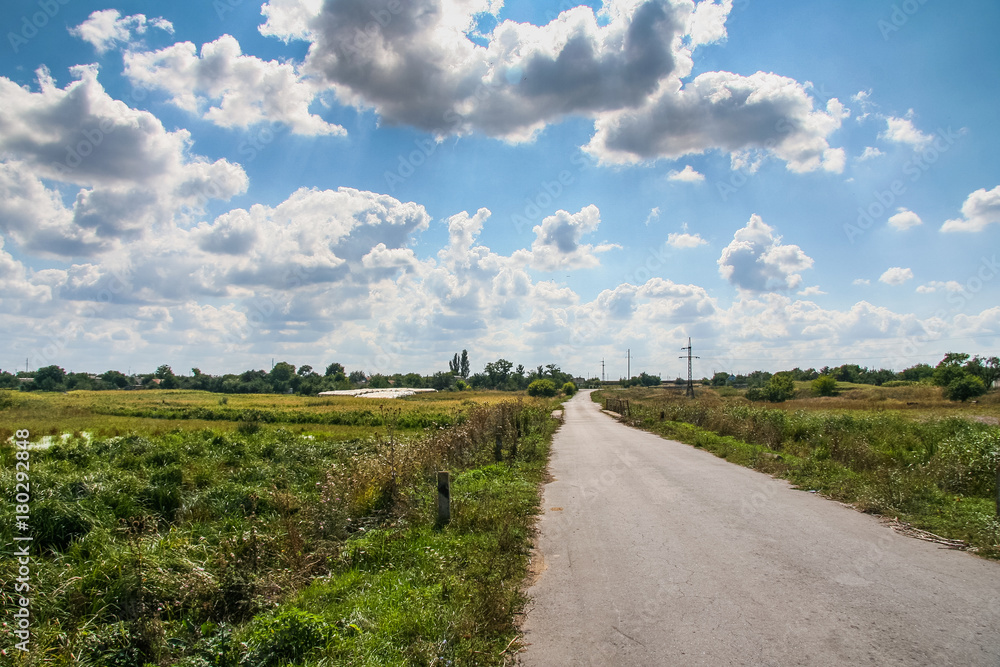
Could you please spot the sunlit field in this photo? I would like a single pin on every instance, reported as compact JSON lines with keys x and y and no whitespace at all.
{"x":193,"y":529}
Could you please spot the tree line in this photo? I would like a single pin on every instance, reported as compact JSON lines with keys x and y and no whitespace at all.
{"x":286,"y":378}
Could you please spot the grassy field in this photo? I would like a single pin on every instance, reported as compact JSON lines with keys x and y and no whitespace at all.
{"x":112,"y":413}
{"x":278,"y":530}
{"x":900,"y":452}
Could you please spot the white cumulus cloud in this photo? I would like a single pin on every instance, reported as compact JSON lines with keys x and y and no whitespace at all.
{"x":981,"y":209}
{"x":896,"y":276}
{"x":105,"y":28}
{"x":229,"y":88}
{"x":686,"y":175}
{"x":757,"y":261}
{"x":905,"y":219}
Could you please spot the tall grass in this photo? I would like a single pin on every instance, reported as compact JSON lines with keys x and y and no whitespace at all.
{"x":937,"y":473}
{"x":262,"y":546}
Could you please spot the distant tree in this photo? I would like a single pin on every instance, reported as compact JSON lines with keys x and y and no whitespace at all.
{"x":378,"y":381}
{"x":305,"y":371}
{"x":499,"y":373}
{"x":50,"y":378}
{"x":647,"y":380}
{"x":964,"y":388}
{"x":720,"y":379}
{"x":8,"y":380}
{"x":281,"y":377}
{"x":442,"y":381}
{"x":115,"y":379}
{"x":569,"y":388}
{"x":542,"y":388}
{"x":455,"y":365}
{"x":163,"y":371}
{"x":949,"y":369}
{"x":336,"y":371}
{"x":824,"y":385}
{"x":917,"y":373}
{"x":986,"y":369}
{"x":413,"y":381}
{"x":357,"y":377}
{"x":461,"y":385}
{"x":778,"y":389}
{"x":463,"y":364}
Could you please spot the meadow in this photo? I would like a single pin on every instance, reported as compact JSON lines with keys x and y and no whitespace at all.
{"x":180,"y":528}
{"x":901,"y":452}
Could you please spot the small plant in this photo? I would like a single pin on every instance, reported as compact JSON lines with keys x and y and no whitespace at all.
{"x":287,"y":637}
{"x":569,"y":388}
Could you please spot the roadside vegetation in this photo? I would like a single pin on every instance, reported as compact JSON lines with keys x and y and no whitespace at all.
{"x":225,"y":538}
{"x":906,"y":451}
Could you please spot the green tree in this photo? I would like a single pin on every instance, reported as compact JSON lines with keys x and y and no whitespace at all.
{"x":357,"y":377}
{"x":499,"y":372}
{"x":824,"y":385}
{"x":463,"y":365}
{"x":50,"y":378}
{"x":455,"y":365}
{"x":778,"y":389}
{"x":336,"y":371}
{"x":950,"y":369}
{"x":542,"y":388}
{"x":116,"y":379}
{"x":964,"y":388}
{"x":720,"y":379}
{"x":569,"y":388}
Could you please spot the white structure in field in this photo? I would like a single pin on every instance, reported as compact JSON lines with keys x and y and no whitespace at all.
{"x":376,"y":393}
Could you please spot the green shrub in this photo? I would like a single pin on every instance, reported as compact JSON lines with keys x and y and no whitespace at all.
{"x":287,"y":637}
{"x":569,"y":388}
{"x":964,"y":388}
{"x":824,"y":385}
{"x":542,"y":388}
{"x":778,"y":389}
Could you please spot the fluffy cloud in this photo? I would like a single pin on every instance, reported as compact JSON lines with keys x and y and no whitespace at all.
{"x":757,"y":261}
{"x":418,"y":66}
{"x":870,"y":153}
{"x":686,"y":175}
{"x":902,"y":131}
{"x":685,"y":240}
{"x":937,"y":285}
{"x":896,"y":276}
{"x":981,"y":209}
{"x":905,"y":219}
{"x":558,"y":244}
{"x":423,"y":64}
{"x":106,"y":28}
{"x":132,"y":173}
{"x":229,"y":88}
{"x":728,"y":112}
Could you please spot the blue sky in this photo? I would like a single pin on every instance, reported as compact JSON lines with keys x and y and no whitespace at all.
{"x":385,"y":182}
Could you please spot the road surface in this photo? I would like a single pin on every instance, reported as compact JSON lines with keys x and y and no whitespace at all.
{"x":653,"y":552}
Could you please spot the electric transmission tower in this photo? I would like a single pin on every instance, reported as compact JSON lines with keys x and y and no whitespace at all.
{"x":690,"y":383}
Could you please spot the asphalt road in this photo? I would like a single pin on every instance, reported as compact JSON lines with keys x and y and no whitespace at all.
{"x":656,"y":553}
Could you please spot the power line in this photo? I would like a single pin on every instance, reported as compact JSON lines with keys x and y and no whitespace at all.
{"x":690,"y":383}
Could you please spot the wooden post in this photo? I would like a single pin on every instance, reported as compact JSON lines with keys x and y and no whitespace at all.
{"x":444,"y":498}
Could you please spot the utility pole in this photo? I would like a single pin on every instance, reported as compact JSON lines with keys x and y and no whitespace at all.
{"x":602,"y":370}
{"x":690,"y":384}
{"x":628,"y":364}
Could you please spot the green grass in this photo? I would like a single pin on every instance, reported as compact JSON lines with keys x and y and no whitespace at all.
{"x":935,"y":472}
{"x":248,"y":546}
